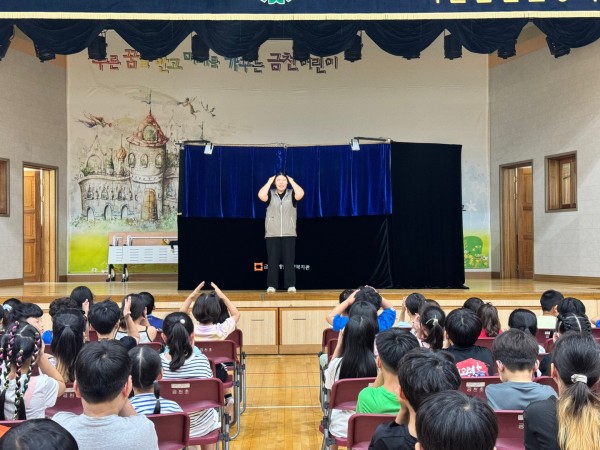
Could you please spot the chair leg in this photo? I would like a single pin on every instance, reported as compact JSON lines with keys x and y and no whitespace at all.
{"x":243,"y":370}
{"x":225,"y":438}
{"x":236,"y":402}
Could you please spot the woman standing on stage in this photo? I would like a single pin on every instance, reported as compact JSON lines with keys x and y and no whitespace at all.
{"x":280,"y":228}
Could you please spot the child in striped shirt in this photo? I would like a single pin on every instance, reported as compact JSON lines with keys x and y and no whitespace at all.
{"x":182,"y":362}
{"x":145,"y":371}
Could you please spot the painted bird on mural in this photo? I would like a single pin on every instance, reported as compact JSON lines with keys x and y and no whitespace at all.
{"x":93,"y":121}
{"x":188,"y":103}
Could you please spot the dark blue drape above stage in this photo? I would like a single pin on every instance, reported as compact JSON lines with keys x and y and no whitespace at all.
{"x":338,"y":181}
{"x":346,"y":221}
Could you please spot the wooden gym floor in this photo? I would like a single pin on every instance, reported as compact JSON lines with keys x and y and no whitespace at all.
{"x":283,"y":404}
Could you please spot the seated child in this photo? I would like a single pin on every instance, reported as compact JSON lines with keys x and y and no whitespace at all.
{"x":571,"y":322}
{"x":410,"y":307}
{"x":392,"y":344}
{"x":145,"y":370}
{"x":103,"y":382}
{"x":68,"y":328}
{"x":571,"y":305}
{"x":38,"y":434}
{"x":148,"y":298}
{"x":572,"y":420}
{"x":549,"y":302}
{"x":473,"y":303}
{"x":82,"y":294}
{"x":525,"y":320}
{"x":421,"y":373}
{"x":462,"y":330}
{"x":104,"y":317}
{"x":490,"y":322}
{"x":353,"y":358}
{"x":24,"y":396}
{"x":180,"y":361}
{"x":453,"y":420}
{"x":431,"y":327}
{"x":515,"y":353}
{"x":57,"y":305}
{"x":207,"y":310}
{"x":137,"y":306}
{"x":386,"y":319}
{"x":30,"y":313}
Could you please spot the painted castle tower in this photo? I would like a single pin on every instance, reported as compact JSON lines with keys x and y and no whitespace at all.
{"x":140,"y":182}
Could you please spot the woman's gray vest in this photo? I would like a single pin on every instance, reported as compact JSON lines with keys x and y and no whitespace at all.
{"x":281,"y":215}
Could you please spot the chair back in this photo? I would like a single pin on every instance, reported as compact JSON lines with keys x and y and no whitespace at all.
{"x":193,"y":394}
{"x":361,"y":428}
{"x":219,"y":351}
{"x":596,"y":332}
{"x":155,"y":345}
{"x":237,"y":337}
{"x":158,"y":338}
{"x":547,"y":381}
{"x":511,"y":430}
{"x":549,"y":345}
{"x":67,"y":402}
{"x":93,"y":334}
{"x":172,"y":429}
{"x":543,"y":334}
{"x":486,"y":342}
{"x":331,"y":345}
{"x":475,"y":386}
{"x":344,"y":393}
{"x":328,"y":334}
{"x":11,"y":423}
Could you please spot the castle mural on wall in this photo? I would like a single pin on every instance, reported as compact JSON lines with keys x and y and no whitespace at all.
{"x":139,"y":181}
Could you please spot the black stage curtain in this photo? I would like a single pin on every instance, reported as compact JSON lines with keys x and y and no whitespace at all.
{"x":426,"y":225}
{"x":331,"y":253}
{"x":159,"y":38}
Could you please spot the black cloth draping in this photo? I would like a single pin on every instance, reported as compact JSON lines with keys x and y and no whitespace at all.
{"x":158,"y":38}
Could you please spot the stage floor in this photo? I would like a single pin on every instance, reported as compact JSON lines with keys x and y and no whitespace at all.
{"x":166,"y":291}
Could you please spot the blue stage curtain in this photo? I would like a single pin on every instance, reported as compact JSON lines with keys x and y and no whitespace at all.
{"x":159,"y":38}
{"x":404,"y":37}
{"x":486,"y":35}
{"x":153,"y":38}
{"x":63,"y":37}
{"x":337,"y":181}
{"x":324,"y":38}
{"x":235,"y":38}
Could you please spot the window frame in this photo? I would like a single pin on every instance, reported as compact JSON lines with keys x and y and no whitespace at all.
{"x":555,"y":184}
{"x":4,"y":187}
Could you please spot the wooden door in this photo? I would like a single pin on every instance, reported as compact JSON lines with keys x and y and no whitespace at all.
{"x":32,"y":229}
{"x":524,"y":207}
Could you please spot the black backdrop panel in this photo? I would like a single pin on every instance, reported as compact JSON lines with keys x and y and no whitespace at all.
{"x":333,"y":253}
{"x":426,"y":229}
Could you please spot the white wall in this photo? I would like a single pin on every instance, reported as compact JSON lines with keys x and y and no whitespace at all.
{"x":541,"y":106}
{"x":34,"y":130}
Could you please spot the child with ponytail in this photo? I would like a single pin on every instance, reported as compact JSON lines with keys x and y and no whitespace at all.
{"x":573,"y":421}
{"x":181,"y":361}
{"x":432,"y":327}
{"x":68,"y":335}
{"x":23,"y":396}
{"x":145,"y":371}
